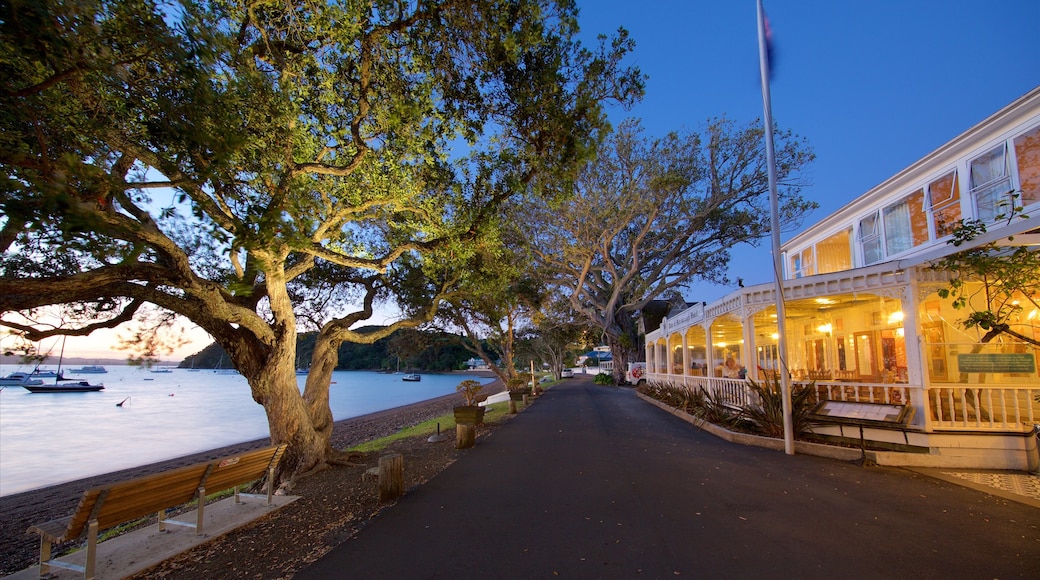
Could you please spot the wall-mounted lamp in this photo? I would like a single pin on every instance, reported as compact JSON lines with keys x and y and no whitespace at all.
{"x":774,"y":336}
{"x":824,"y":328}
{"x":895,"y":317}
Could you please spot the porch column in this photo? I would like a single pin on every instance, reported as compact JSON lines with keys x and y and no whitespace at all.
{"x":915,"y":370}
{"x":685,"y":357}
{"x":710,"y":346}
{"x":750,"y":361}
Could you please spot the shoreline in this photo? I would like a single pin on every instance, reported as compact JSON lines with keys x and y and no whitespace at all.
{"x":26,"y":508}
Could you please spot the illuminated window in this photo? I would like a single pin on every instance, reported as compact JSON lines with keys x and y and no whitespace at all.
{"x":906,"y":224}
{"x":798,"y":265}
{"x":944,"y":199}
{"x":870,"y":238}
{"x":1027,"y":154}
{"x":991,"y":185}
{"x":834,"y":254}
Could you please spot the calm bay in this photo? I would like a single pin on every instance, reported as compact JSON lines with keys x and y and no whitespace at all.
{"x":50,"y":438}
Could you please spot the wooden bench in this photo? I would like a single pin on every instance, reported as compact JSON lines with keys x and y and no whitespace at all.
{"x":110,"y":505}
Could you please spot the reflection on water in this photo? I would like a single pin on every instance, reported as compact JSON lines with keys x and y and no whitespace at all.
{"x":49,"y":438}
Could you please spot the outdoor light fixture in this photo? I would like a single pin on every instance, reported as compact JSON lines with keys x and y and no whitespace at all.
{"x":774,"y":336}
{"x":895,"y":317}
{"x":824,"y":328}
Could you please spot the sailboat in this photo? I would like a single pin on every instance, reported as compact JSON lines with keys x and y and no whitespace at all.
{"x":223,"y":371}
{"x":63,"y":385}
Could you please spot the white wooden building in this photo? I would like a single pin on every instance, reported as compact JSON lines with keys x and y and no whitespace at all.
{"x":865,"y":322}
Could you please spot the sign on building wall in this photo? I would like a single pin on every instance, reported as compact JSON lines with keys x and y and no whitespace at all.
{"x":996,"y":363}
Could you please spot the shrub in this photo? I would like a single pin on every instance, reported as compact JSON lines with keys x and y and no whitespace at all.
{"x":767,"y":414}
{"x":603,"y":379}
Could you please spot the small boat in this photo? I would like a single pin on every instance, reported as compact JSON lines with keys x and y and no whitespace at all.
{"x":162,"y":370}
{"x":65,"y":387}
{"x":412,"y":378}
{"x":303,"y":371}
{"x":91,"y":370}
{"x":44,"y":374}
{"x":19,"y":379}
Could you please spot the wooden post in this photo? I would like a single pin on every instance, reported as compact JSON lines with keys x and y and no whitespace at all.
{"x":527,"y":400}
{"x":391,"y":477}
{"x":512,"y":407}
{"x":465,"y":435}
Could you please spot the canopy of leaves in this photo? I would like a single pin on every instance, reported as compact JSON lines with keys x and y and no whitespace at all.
{"x":650,"y":215}
{"x":200,"y":155}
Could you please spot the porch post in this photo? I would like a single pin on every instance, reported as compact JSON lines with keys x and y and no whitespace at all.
{"x":916,"y":375}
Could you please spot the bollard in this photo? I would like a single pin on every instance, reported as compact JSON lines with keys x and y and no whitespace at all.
{"x":391,"y":477}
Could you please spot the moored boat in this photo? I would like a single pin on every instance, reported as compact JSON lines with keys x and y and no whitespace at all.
{"x":91,"y":370}
{"x":411,"y":378}
{"x":65,"y":387}
{"x":19,"y":379}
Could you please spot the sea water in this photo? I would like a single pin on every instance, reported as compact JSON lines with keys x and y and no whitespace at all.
{"x":51,"y":438}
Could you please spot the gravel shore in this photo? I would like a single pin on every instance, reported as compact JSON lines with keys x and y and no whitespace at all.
{"x":19,"y":550}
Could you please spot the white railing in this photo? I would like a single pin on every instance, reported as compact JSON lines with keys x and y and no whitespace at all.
{"x":731,"y":392}
{"x":889,"y":393}
{"x":950,"y":408}
{"x":984,"y":407}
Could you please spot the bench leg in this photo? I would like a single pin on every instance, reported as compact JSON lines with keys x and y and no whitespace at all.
{"x":45,"y":556}
{"x":270,"y":485}
{"x":202,"y":505}
{"x":161,"y":518}
{"x":92,"y":533}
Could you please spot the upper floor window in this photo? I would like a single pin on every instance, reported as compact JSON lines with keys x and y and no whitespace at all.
{"x":834,"y":254}
{"x":991,"y":184}
{"x":1027,"y":156}
{"x":802,"y":263}
{"x":906,"y":224}
{"x":870,"y":238}
{"x":944,"y":199}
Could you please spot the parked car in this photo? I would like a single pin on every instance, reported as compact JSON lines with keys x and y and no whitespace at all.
{"x":567,"y":374}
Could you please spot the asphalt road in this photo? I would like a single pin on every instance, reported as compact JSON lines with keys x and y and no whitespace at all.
{"x":591,"y":482}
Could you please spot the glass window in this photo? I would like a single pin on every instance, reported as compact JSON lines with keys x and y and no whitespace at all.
{"x":897,"y":228}
{"x":834,"y":254}
{"x":797,"y":266}
{"x":991,"y":185}
{"x":906,"y":224}
{"x":1027,"y":155}
{"x":870,"y":239}
{"x":944,"y":199}
{"x":807,"y":262}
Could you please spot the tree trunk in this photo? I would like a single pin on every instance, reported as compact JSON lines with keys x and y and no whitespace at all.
{"x":305,"y":424}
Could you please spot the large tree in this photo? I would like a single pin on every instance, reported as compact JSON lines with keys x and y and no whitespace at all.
{"x":253,"y":166}
{"x":650,"y":215}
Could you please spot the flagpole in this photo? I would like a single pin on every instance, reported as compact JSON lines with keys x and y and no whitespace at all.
{"x":774,"y":227}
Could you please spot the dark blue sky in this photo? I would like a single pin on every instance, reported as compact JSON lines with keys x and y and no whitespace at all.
{"x":874,"y":86}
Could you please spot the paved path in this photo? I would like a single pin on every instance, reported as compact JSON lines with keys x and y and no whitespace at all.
{"x":591,"y":482}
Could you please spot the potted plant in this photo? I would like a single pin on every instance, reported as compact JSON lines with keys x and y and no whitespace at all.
{"x":471,"y":413}
{"x":468,"y":416}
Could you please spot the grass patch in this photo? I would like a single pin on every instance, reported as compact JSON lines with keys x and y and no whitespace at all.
{"x":494,"y":414}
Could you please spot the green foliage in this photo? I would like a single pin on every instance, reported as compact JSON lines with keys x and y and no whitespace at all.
{"x":270,"y":169}
{"x":766,"y":411}
{"x":603,"y":379}
{"x":649,"y":215}
{"x":992,"y":282}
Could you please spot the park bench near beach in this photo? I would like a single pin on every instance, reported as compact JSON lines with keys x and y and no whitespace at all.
{"x":107,"y":506}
